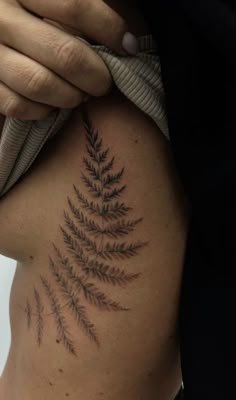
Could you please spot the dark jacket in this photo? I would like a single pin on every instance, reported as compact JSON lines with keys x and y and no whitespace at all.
{"x":197,"y":46}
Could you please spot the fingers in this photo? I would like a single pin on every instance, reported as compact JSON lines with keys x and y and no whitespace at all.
{"x":95,"y":19}
{"x":64,"y":27}
{"x":57,"y":50}
{"x":14,"y":105}
{"x":32,"y":80}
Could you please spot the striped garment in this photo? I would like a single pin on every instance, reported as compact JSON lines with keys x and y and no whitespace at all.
{"x":137,"y":77}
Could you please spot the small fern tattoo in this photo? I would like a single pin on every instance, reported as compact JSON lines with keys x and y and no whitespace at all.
{"x":95,"y":233}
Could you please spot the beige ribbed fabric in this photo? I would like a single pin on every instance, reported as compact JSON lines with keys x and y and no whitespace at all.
{"x":138,"y":78}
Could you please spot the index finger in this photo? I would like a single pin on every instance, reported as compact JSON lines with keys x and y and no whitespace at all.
{"x":93,"y":18}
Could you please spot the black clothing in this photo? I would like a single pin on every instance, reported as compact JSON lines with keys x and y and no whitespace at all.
{"x":197,"y":47}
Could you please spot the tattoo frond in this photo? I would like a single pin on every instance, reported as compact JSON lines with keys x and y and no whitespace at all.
{"x":61,"y":325}
{"x":92,"y":154}
{"x":91,"y":133}
{"x":88,"y":205}
{"x":99,"y":299}
{"x":102,"y":156}
{"x":108,"y":274}
{"x":89,"y":245}
{"x":73,"y":302}
{"x":114,"y":211}
{"x":95,"y":189}
{"x":80,"y":315}
{"x":110,"y":211}
{"x":111,"y":179}
{"x":120,"y":250}
{"x":93,"y":171}
{"x":115,"y":230}
{"x":106,"y":168}
{"x":91,"y":293}
{"x":92,"y":268}
{"x":88,"y":224}
{"x":111,"y":195}
{"x":120,"y":228}
{"x":93,"y":139}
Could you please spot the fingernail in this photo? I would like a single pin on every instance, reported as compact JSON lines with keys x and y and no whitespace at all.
{"x":130,"y":43}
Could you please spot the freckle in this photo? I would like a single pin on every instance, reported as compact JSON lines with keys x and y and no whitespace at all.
{"x":60,"y":370}
{"x":136,"y":141}
{"x":31,"y":257}
{"x":150,"y":374}
{"x":101,"y":394}
{"x":58,"y":341}
{"x":67,"y":394}
{"x":50,"y":383}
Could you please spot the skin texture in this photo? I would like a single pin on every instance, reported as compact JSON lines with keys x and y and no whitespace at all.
{"x":111,"y":332}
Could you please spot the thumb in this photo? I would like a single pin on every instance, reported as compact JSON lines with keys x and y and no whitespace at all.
{"x":93,"y":18}
{"x":108,"y":28}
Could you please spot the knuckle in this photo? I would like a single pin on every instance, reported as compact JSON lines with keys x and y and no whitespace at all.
{"x":37,"y":84}
{"x":14,"y":107}
{"x":70,"y":56}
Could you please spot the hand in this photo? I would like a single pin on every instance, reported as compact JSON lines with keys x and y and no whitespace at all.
{"x":43,"y":66}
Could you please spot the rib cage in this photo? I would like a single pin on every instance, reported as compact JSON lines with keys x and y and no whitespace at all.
{"x":95,"y":233}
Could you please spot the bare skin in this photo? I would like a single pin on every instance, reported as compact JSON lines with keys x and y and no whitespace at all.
{"x":135,"y":353}
{"x":90,"y":321}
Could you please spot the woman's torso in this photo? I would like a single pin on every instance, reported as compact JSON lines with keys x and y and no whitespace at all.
{"x":136,"y":323}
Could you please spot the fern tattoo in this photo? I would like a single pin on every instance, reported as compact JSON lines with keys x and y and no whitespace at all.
{"x":95,"y":234}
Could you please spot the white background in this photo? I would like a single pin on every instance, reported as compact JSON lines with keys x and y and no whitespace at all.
{"x":7,"y":270}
